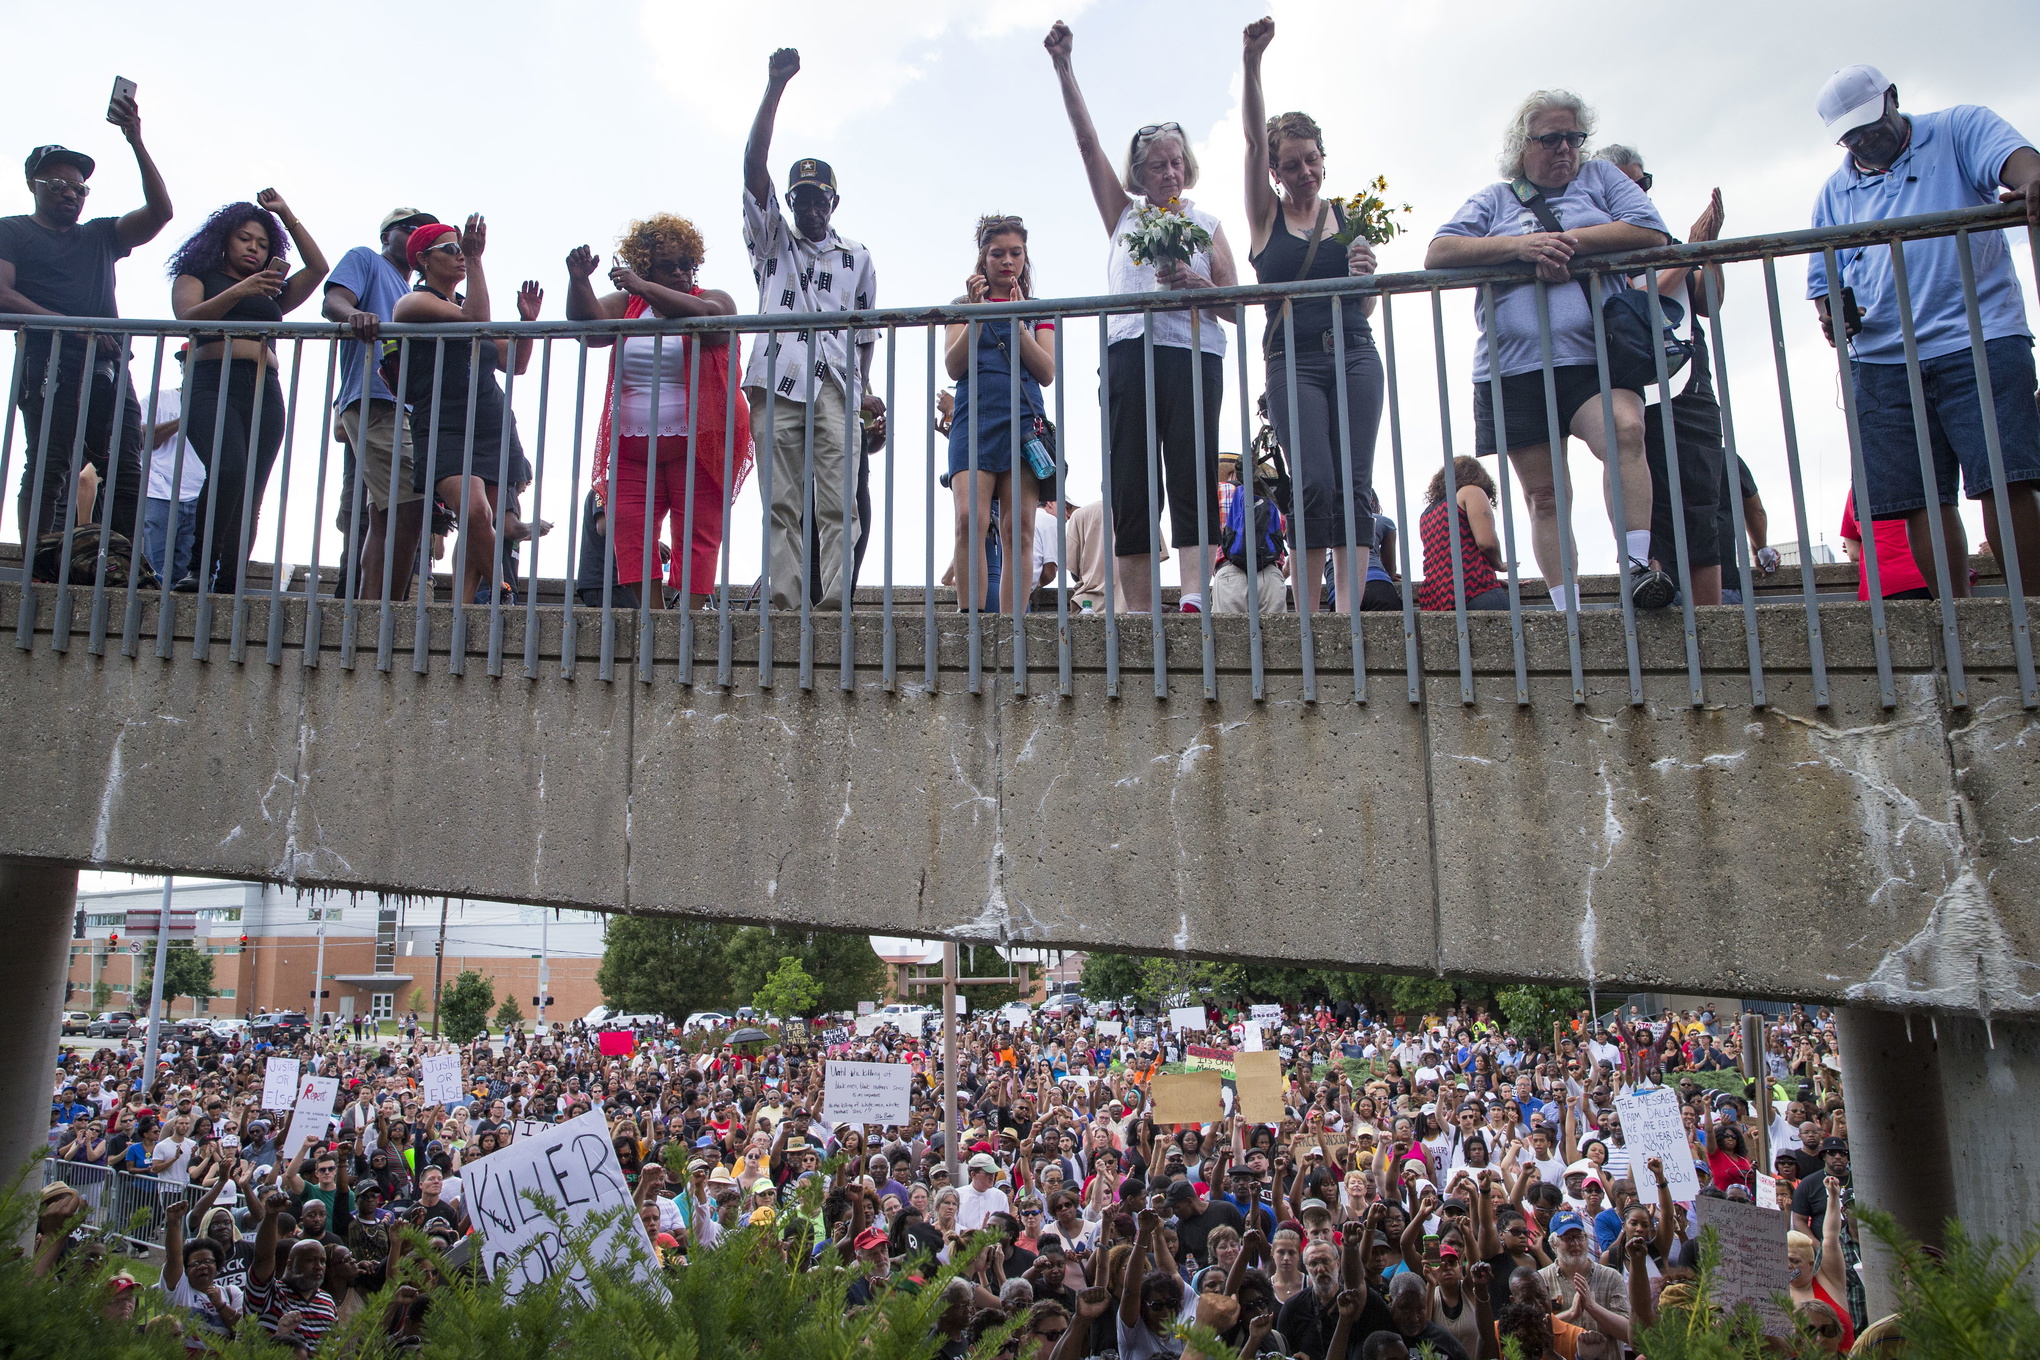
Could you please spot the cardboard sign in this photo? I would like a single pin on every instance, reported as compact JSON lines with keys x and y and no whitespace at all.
{"x":574,"y":1166}
{"x":1267,"y":1014}
{"x":1250,"y":1037}
{"x":1752,"y":1268}
{"x":1188,"y":1097}
{"x":311,"y":1115}
{"x":1651,"y":1127}
{"x":1259,"y":1078}
{"x":861,"y":1093}
{"x":1183,"y":1018}
{"x":279,"y":1083}
{"x":439,"y":1082}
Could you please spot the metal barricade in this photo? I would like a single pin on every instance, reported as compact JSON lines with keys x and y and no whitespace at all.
{"x":120,"y":1203}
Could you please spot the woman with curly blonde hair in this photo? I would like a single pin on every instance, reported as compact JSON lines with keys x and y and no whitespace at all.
{"x":655,"y":276}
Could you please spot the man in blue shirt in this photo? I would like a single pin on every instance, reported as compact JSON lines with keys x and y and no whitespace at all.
{"x":1899,"y":165}
{"x":362,"y":293}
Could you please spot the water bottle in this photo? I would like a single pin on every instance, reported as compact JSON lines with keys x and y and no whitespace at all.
{"x":1038,"y":460}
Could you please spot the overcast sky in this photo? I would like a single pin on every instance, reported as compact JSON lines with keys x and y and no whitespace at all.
{"x":561,"y":123}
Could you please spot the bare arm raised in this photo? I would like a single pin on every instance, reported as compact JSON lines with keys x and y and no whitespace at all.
{"x":1106,"y":190}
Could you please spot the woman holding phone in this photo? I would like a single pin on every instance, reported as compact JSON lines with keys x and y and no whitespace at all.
{"x":236,"y":268}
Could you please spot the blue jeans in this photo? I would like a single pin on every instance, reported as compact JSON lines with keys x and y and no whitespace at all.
{"x":156,"y":528}
{"x":1891,"y":451}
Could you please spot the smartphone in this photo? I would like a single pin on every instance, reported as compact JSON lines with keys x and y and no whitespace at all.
{"x":1852,"y":315}
{"x":123,"y":88}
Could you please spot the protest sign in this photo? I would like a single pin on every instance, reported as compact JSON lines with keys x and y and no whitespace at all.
{"x":530,"y":1128}
{"x":279,"y":1083}
{"x":1188,"y":1097}
{"x":1250,"y":1036}
{"x":962,"y":1003}
{"x":866,"y":1093}
{"x":1266,"y":1014}
{"x":1111,"y":1029}
{"x":1014,"y":1015}
{"x":1199,"y":1057}
{"x":1767,"y":1191}
{"x":1651,"y":1127}
{"x":1752,"y":1268}
{"x":866,"y":1007}
{"x":439,"y":1083}
{"x":310,"y":1116}
{"x":838,"y":1035}
{"x":1259,"y":1078}
{"x":868,"y":1024}
{"x":574,"y":1166}
{"x":616,"y":1043}
{"x":1186,"y":1017}
{"x":794,"y":1029}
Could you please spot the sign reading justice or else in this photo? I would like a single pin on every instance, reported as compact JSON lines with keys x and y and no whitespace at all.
{"x":573,"y":1166}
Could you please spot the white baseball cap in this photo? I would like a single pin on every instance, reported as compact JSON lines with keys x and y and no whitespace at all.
{"x":1852,"y":97}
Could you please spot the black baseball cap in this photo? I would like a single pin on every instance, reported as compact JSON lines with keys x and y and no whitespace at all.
{"x":62,"y":155}
{"x":1840,"y":1145}
{"x":807,"y":170}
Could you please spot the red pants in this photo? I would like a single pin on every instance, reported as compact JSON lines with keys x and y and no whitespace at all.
{"x":669,"y":498}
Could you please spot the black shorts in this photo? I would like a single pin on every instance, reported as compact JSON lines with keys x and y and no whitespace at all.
{"x":1523,"y":406}
{"x":1696,"y":425}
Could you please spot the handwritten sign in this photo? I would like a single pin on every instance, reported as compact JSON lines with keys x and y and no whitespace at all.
{"x":311,"y":1114}
{"x":1266,"y":1014}
{"x":1767,"y":1190}
{"x":1200,"y":1058}
{"x":572,"y":1165}
{"x":1186,"y":1017}
{"x":1188,"y":1097}
{"x":866,"y":1093}
{"x":868,"y":1024}
{"x":1250,"y":1036}
{"x":279,"y":1083}
{"x":1651,"y":1127}
{"x":1752,"y":1268}
{"x":530,"y":1128}
{"x":866,"y":1007}
{"x":439,"y":1083}
{"x":1015,"y":1016}
{"x":1260,"y":1087}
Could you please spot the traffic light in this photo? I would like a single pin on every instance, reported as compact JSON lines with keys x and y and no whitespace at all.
{"x":78,"y":925}
{"x":69,"y":987}
{"x":244,"y":942}
{"x":113,"y":939}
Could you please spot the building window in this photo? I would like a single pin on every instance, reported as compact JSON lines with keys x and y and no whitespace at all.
{"x":106,"y":918}
{"x":382,"y":1005}
{"x":225,"y":993}
{"x":217,"y":914}
{"x":323,"y":913}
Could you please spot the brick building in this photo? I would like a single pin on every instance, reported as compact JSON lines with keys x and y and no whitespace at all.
{"x":379,"y":951}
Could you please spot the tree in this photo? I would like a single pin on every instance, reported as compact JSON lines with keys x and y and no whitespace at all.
{"x":186,"y":972}
{"x":509,"y":1013}
{"x":844,"y":965}
{"x":102,"y":995}
{"x":1109,"y":977}
{"x":418,"y":999}
{"x":1532,"y":1010}
{"x":665,"y":965}
{"x":789,"y":992}
{"x":464,"y":1006}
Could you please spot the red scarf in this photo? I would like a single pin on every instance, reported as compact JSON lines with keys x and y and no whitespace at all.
{"x":715,"y":396}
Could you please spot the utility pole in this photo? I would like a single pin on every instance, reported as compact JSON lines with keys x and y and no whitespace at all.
{"x":319,"y":976}
{"x":438,"y":966}
{"x":544,"y":965}
{"x":952,"y":1128}
{"x":155,"y":1040}
{"x":1756,"y":1070}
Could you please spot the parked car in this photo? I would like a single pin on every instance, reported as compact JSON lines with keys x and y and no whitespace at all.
{"x":283,"y":1026}
{"x":226,"y":1027}
{"x":75,"y":1022}
{"x":707,"y":1020}
{"x":1060,"y":1005}
{"x":111,"y":1025}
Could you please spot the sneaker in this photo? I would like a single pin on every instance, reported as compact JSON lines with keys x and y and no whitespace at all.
{"x":1191,"y":604}
{"x":187,"y":586}
{"x":1650,"y":587}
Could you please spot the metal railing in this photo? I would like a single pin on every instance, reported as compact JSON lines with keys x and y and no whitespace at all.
{"x":329,"y":581}
{"x":120,"y":1202}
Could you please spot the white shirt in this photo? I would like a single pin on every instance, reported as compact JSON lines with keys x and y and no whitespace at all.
{"x":641,"y":374}
{"x":974,"y":1206}
{"x":162,"y":459}
{"x":1044,"y":541}
{"x":179,"y":1171}
{"x":1122,"y":275}
{"x":795,"y":274}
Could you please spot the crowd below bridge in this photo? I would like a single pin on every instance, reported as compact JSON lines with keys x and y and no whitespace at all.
{"x":1943,"y":384}
{"x":1424,"y":1180}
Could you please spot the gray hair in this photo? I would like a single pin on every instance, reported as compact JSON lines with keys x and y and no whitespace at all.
{"x":1136,"y":156}
{"x":1615,"y":153}
{"x":1518,"y":135}
{"x":1016,"y":1295}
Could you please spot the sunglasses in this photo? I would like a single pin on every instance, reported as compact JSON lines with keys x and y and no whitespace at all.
{"x":448,"y":249}
{"x":65,"y":185}
{"x":1552,"y":141}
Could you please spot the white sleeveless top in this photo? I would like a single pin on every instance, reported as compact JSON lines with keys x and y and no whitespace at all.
{"x":1122,"y":275}
{"x":641,"y":373}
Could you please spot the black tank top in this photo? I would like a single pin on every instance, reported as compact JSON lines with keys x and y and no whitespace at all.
{"x":1279,"y":262}
{"x":255,"y":308}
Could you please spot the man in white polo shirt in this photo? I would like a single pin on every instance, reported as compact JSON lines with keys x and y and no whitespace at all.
{"x":805,"y":267}
{"x":1900,"y":165}
{"x":981,"y":1198}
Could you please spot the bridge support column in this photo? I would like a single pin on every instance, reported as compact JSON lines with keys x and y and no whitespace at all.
{"x":1943,"y":1122}
{"x":36,"y":902}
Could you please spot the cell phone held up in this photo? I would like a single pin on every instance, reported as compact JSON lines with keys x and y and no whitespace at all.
{"x":123,"y":88}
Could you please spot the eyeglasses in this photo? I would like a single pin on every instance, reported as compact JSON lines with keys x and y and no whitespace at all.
{"x":448,"y":249}
{"x":56,"y":185}
{"x":1552,"y":141}
{"x":1643,"y":181}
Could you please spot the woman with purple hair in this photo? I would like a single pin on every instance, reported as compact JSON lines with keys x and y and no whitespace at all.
{"x":235,"y":268}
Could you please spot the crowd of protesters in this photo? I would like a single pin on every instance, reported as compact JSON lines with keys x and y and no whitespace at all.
{"x":681,"y":423}
{"x":1435,"y":1178}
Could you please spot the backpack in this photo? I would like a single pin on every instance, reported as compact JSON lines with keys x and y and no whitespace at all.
{"x":84,"y":554}
{"x":1269,"y":546}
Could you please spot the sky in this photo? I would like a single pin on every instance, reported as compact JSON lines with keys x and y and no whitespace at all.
{"x":562,"y":123}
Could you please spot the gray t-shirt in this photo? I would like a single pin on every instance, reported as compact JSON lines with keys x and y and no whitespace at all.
{"x":1598,"y":195}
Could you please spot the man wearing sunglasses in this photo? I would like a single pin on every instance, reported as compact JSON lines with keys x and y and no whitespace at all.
{"x":1897,"y":165}
{"x":807,"y":267}
{"x":51,"y":264}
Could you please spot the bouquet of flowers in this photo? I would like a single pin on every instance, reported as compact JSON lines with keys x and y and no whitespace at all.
{"x":1368,"y":216}
{"x":1163,"y":234}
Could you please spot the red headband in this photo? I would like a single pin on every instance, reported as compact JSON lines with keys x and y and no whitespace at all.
{"x":422,"y":238}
